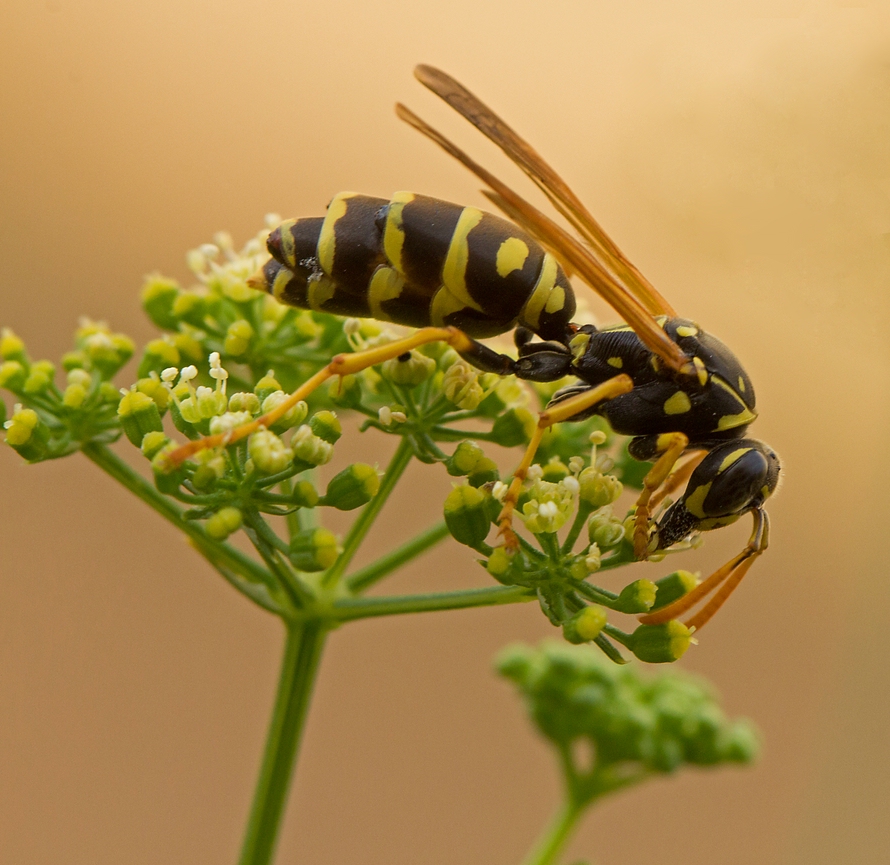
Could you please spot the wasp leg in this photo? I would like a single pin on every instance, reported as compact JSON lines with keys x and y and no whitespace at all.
{"x":670,"y":446}
{"x":340,"y":365}
{"x":676,"y":480}
{"x":564,"y":410}
{"x":723,"y":581}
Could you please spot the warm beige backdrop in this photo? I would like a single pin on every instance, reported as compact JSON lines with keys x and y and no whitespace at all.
{"x":741,"y":157}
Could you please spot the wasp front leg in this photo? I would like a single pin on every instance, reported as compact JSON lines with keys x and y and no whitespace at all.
{"x":564,"y":410}
{"x":670,"y":446}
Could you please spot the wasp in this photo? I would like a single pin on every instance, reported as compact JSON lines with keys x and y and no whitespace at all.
{"x":459,"y":275}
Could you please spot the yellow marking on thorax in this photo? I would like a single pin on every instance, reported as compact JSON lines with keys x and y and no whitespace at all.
{"x":512,"y":254}
{"x":578,"y":345}
{"x":386,"y":284}
{"x":686,"y":330}
{"x":538,"y":300}
{"x":327,"y":238}
{"x":701,"y":370}
{"x":741,"y":385}
{"x":394,"y":231}
{"x":735,"y":456}
{"x":695,"y":501}
{"x":617,"y":362}
{"x":288,"y":248}
{"x":731,"y":421}
{"x":679,"y":403}
{"x":454,"y":272}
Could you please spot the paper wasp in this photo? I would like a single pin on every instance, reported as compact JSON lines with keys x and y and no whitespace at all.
{"x":459,"y":274}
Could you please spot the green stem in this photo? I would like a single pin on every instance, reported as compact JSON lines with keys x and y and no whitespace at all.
{"x":242,"y":573}
{"x":369,"y":513}
{"x":302,"y":653}
{"x":349,"y":609}
{"x":555,"y":836}
{"x":385,"y":565}
{"x":584,"y":511}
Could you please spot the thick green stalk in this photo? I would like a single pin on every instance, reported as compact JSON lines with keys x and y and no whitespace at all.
{"x":244,"y":574}
{"x":555,"y":836}
{"x":302,"y":653}
{"x":385,"y":565}
{"x":362,"y":525}
{"x":348,"y":609}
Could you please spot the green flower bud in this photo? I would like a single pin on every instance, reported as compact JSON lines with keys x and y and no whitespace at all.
{"x":12,"y":375}
{"x":309,"y":448}
{"x":209,"y":472}
{"x":108,"y":393}
{"x":304,"y":494}
{"x":108,"y":352}
{"x":267,"y":385}
{"x":269,"y":453}
{"x":291,"y":418}
{"x":355,"y":486}
{"x":326,"y":426}
{"x":514,"y":427}
{"x":636,"y":597}
{"x":499,"y":562}
{"x":167,"y":479}
{"x":597,"y":489}
{"x":223,"y":523}
{"x":138,"y":415}
{"x":238,"y":337}
{"x":314,"y":549}
{"x":660,"y":644}
{"x":74,"y":396}
{"x":555,"y":470}
{"x":604,"y":529}
{"x":158,"y":297}
{"x":159,"y":355}
{"x":154,"y":388}
{"x":73,"y":360}
{"x":585,"y":625}
{"x":27,"y":434}
{"x":12,"y":347}
{"x":152,"y":442}
{"x":190,"y":308}
{"x":246,"y":402}
{"x":464,"y":459}
{"x":673,"y":586}
{"x":485,"y":471}
{"x":741,"y":744}
{"x":346,"y":391}
{"x":409,"y":369}
{"x":466,"y":515}
{"x":460,"y":385}
{"x":189,"y":348}
{"x":40,"y":377}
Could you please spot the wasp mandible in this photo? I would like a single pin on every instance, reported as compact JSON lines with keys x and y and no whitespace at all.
{"x":460,"y":274}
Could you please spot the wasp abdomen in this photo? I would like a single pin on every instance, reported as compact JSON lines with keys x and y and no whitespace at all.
{"x":419,"y":261}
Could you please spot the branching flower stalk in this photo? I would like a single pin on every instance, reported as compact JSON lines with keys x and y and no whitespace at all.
{"x":227,"y":354}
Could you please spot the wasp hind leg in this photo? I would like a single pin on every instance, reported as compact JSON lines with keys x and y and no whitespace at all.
{"x":564,"y":410}
{"x":722,"y":582}
{"x":340,"y":365}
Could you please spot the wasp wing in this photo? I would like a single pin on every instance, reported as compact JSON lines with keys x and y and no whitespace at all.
{"x":567,"y":249}
{"x":550,"y":183}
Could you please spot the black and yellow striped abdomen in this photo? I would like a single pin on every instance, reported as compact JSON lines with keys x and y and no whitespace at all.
{"x":419,"y":261}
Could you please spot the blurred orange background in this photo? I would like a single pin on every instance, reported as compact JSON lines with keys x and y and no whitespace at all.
{"x":741,"y":158}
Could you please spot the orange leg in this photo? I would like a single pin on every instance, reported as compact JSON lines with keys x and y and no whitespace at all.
{"x":340,"y":365}
{"x":722,"y":582}
{"x":677,"y":480}
{"x":561,"y":411}
{"x":671,"y":446}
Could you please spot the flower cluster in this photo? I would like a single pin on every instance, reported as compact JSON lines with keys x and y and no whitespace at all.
{"x":635,"y":726}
